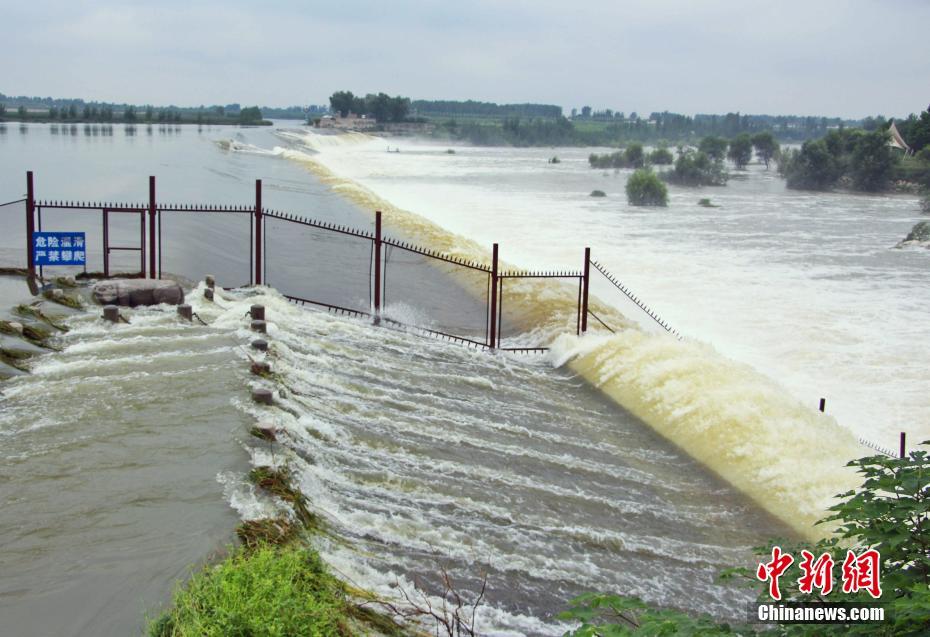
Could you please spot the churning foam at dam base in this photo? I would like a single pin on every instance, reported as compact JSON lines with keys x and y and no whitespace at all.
{"x":418,"y":455}
{"x":745,"y":427}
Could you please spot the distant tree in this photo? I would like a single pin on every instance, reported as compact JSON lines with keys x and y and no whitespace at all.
{"x":251,"y":115}
{"x":574,"y":113}
{"x":813,"y":168}
{"x":378,"y":106}
{"x":634,"y":156}
{"x":149,"y":113}
{"x":72,"y":111}
{"x":53,"y":112}
{"x":786,"y":159}
{"x":586,"y":111}
{"x":85,"y":112}
{"x":872,"y":162}
{"x":714,"y":147}
{"x":740,"y":150}
{"x":766,"y":147}
{"x":400,"y":108}
{"x":916,"y":130}
{"x":21,"y":111}
{"x":341,"y":102}
{"x":2,"y":110}
{"x":874,"y":123}
{"x":661,"y":157}
{"x":696,"y":168}
{"x":129,"y":114}
{"x":644,"y":188}
{"x":220,"y":111}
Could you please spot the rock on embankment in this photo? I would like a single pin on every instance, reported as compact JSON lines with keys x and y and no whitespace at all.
{"x":918,"y":236}
{"x":133,"y":292}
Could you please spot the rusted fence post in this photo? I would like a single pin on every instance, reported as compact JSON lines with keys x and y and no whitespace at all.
{"x":902,"y":451}
{"x":377,"y":283}
{"x":584,"y":290}
{"x":258,"y":232}
{"x":492,"y":336}
{"x":30,"y":223}
{"x":153,"y":274}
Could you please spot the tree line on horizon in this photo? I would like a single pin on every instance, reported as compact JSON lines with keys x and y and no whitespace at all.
{"x":859,"y":159}
{"x":251,"y":115}
{"x":30,"y":105}
{"x":382,"y":107}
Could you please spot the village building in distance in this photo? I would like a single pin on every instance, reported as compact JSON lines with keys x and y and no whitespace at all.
{"x":351,"y":121}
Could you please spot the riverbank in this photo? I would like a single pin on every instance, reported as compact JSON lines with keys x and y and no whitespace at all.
{"x":273,"y":582}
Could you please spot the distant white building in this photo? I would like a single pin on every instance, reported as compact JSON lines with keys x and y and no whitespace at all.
{"x":349,"y":122}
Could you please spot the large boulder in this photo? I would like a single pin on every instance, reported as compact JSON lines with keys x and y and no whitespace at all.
{"x":133,"y":292}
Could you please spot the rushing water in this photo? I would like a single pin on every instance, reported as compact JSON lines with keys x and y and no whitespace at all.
{"x":109,"y":454}
{"x":806,"y":287}
{"x":419,"y":454}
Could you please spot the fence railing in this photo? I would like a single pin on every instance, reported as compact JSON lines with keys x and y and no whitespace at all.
{"x":343,"y":269}
{"x":333,"y":267}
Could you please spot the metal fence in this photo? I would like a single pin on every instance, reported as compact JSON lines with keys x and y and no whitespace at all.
{"x":346,"y":270}
{"x":338,"y":268}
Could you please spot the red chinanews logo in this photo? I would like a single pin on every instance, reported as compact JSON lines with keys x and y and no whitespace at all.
{"x":860,"y":572}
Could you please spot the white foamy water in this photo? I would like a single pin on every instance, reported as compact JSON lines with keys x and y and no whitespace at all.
{"x":807,"y":288}
{"x":419,"y":455}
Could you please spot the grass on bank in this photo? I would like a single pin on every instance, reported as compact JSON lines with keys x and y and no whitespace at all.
{"x":266,"y":591}
{"x":274,"y":584}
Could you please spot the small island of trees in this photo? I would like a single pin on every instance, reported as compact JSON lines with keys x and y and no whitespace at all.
{"x":382,"y":106}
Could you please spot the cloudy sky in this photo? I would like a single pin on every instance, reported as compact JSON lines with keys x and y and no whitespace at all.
{"x":827,"y":57}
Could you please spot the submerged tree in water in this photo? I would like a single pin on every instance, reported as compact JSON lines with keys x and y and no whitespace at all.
{"x":766,"y":147}
{"x":740,"y":150}
{"x":714,"y":147}
{"x":644,"y":188}
{"x":696,"y":168}
{"x":872,"y":162}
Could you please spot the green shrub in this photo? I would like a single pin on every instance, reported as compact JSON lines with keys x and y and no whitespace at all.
{"x":814,"y":167}
{"x":696,"y":169}
{"x":266,"y":592}
{"x":661,"y":157}
{"x":598,"y":193}
{"x":644,"y":188}
{"x":635,"y":156}
{"x":889,"y":513}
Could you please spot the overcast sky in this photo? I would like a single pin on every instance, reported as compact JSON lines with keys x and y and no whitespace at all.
{"x":812,"y":57}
